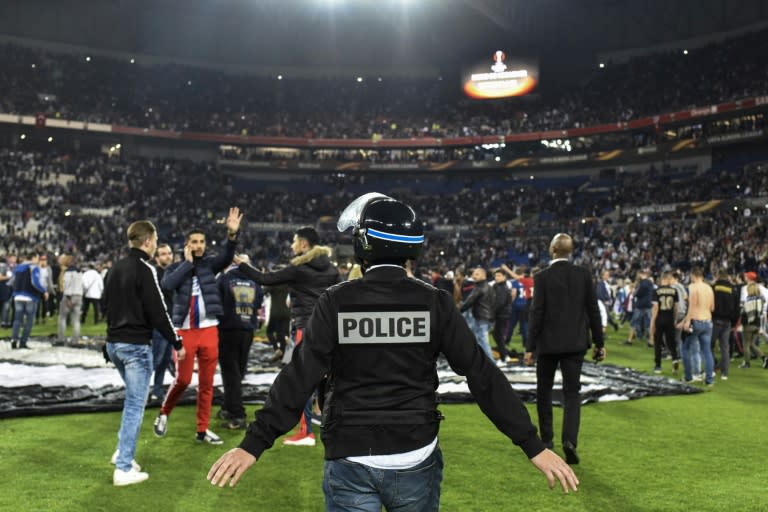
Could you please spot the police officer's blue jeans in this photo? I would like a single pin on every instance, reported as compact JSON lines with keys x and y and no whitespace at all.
{"x":134,"y":362}
{"x":25,"y":312}
{"x":349,"y":486}
{"x":700,"y":337}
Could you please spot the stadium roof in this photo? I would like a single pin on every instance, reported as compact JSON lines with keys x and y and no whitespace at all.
{"x":372,"y":34}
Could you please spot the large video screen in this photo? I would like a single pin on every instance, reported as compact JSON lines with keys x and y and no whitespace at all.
{"x":500,"y":77}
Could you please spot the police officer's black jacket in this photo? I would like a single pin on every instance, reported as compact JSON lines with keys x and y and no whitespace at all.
{"x":377,"y":340}
{"x":135,"y":304}
{"x":307,"y":276}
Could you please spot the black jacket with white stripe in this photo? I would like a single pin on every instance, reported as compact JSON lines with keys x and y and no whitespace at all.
{"x":135,"y":303}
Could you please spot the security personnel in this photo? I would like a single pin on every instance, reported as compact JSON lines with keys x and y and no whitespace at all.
{"x":377,"y":340}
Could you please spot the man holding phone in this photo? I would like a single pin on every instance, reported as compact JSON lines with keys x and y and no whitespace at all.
{"x":196,"y":304}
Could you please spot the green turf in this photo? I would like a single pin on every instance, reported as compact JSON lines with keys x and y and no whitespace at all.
{"x":702,"y":452}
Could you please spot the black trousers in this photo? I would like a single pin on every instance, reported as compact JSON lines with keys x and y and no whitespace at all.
{"x":502,"y":334}
{"x":664,"y":333}
{"x":234,"y":346}
{"x":277,"y":332}
{"x":96,"y":309}
{"x":570,"y":367}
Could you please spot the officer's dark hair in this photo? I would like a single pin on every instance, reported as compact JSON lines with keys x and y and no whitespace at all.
{"x":194,"y":231}
{"x":309,"y":234}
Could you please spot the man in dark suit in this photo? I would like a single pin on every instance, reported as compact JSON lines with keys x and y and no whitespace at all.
{"x":563,"y":312}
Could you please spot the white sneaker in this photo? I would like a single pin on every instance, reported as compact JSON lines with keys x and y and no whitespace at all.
{"x":134,"y":465}
{"x":300,"y":440}
{"x":161,"y":425}
{"x":121,"y":478}
{"x":208,"y":437}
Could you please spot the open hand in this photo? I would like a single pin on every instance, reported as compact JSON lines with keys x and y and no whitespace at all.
{"x":230,"y":467}
{"x":556,"y":470}
{"x":233,"y":220}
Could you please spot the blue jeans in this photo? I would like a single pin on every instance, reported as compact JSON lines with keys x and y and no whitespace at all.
{"x":5,"y":311}
{"x":25,"y":311}
{"x":134,"y":362}
{"x":700,"y":338}
{"x":641,"y":322}
{"x":352,"y":487}
{"x":481,"y":328}
{"x":162,"y":354}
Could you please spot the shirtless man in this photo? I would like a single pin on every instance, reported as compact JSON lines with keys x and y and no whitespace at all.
{"x":697,"y":327}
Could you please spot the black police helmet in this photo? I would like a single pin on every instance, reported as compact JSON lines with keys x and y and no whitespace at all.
{"x":384,"y":229}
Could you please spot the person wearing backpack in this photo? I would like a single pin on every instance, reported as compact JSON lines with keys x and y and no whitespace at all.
{"x":753,"y":306}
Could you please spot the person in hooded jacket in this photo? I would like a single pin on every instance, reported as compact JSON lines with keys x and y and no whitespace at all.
{"x":308,"y":276}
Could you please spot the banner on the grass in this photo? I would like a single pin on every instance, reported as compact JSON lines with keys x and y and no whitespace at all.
{"x":54,"y":380}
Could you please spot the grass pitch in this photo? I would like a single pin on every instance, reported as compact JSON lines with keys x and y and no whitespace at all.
{"x":702,"y":452}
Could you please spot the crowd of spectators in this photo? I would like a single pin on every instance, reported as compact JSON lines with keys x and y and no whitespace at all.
{"x":82,"y":204}
{"x":176,"y":97}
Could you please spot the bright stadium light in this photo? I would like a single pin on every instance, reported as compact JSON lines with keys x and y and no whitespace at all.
{"x":23,"y":136}
{"x":87,"y":59}
{"x":34,"y":66}
{"x":359,"y":79}
{"x":685,"y":52}
{"x":279,"y":77}
{"x":133,"y":61}
{"x":50,"y":139}
{"x":602,"y":65}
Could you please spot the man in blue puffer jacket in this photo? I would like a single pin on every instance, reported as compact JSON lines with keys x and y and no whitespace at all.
{"x":196,"y":304}
{"x":28,"y":291}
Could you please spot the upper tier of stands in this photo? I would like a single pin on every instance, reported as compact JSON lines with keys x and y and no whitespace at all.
{"x":175,"y":97}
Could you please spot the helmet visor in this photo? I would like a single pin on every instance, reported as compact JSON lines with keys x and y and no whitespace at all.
{"x":350,"y":217}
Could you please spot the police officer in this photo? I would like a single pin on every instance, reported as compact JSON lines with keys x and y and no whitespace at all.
{"x":376,"y":340}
